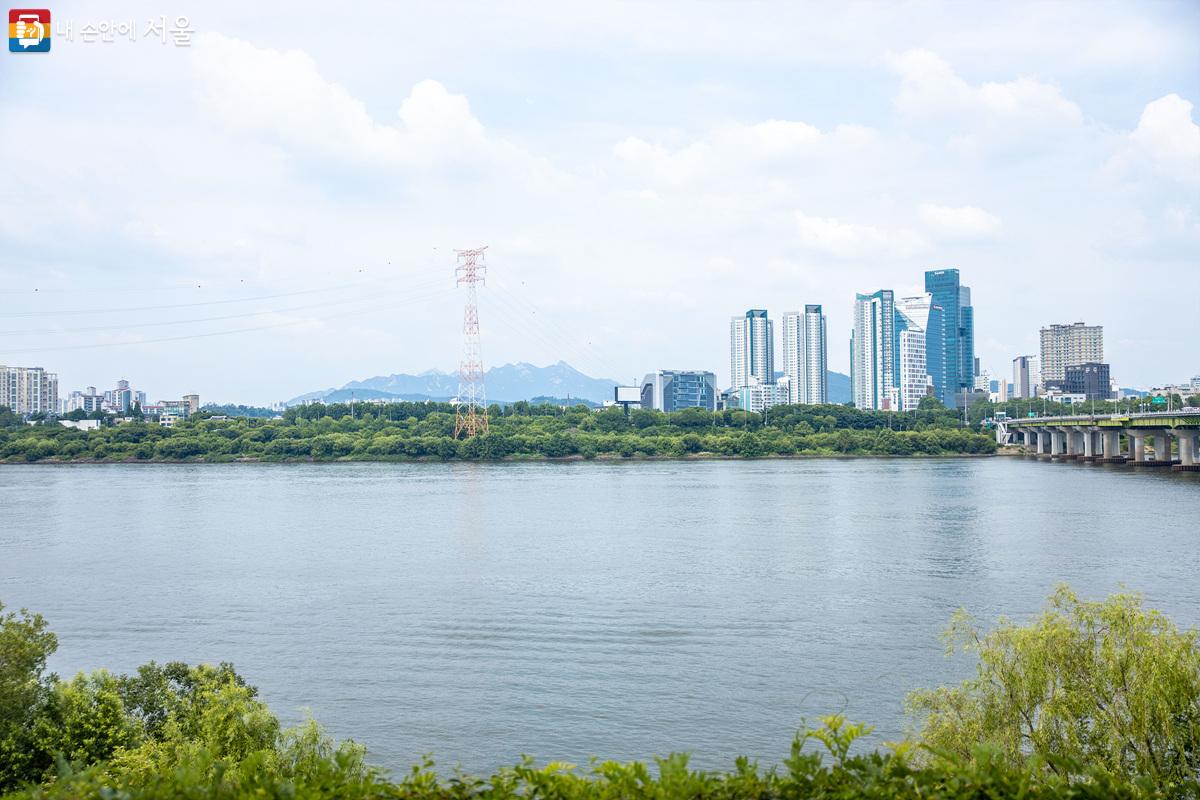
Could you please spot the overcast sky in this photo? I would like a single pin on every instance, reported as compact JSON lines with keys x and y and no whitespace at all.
{"x":274,"y":208}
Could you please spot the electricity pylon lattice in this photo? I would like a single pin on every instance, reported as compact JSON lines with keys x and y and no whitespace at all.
{"x":470,"y":411}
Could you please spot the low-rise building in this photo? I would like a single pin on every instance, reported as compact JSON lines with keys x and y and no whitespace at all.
{"x":672,"y":390}
{"x":757,"y":397}
{"x":80,"y":424}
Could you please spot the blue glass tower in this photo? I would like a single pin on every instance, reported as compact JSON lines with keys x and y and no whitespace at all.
{"x":951,"y":356}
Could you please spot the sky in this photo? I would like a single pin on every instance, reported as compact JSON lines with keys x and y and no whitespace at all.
{"x":274,"y":207}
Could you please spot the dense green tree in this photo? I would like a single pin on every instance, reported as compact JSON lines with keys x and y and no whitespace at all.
{"x":1108,"y":683}
{"x":25,"y":644}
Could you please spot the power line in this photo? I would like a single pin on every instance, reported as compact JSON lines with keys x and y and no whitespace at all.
{"x":123,"y":326}
{"x":186,"y":337}
{"x":84,"y":311}
{"x":536,"y":316}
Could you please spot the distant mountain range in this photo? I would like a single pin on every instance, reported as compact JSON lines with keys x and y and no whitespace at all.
{"x":506,"y":384}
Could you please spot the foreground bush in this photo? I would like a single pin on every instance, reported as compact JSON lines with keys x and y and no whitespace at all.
{"x":1105,"y":683}
{"x":1093,"y":700}
{"x":308,"y":766}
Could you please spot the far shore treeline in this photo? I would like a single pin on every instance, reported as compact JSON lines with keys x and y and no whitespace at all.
{"x":425,"y":431}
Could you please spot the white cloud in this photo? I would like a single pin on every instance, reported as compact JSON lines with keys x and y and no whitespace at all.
{"x":284,"y":96}
{"x":741,"y":150}
{"x":304,"y":162}
{"x":959,"y":222}
{"x":930,"y":86}
{"x":1166,"y":135}
{"x":851,"y":240}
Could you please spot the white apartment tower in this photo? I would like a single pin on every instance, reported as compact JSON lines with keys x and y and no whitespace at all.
{"x":1067,"y":346}
{"x":913,"y":381}
{"x":28,"y":390}
{"x":805,"y":355}
{"x":1025,"y":377}
{"x":872,"y":350}
{"x":751,"y":349}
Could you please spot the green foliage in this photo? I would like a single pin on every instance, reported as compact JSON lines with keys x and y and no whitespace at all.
{"x":9,"y":418}
{"x":403,"y":431}
{"x":1108,"y":684}
{"x":25,"y":644}
{"x":307,"y":764}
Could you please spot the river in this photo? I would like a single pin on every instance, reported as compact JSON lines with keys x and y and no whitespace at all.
{"x":477,"y":612}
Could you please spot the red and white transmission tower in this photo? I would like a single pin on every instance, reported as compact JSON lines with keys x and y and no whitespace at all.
{"x":470,"y":412}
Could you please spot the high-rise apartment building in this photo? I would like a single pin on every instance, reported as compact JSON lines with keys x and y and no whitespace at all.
{"x":89,"y":401}
{"x":953,"y":370}
{"x":28,"y":390}
{"x":672,"y":390}
{"x":913,"y":381}
{"x":873,"y":350}
{"x":751,"y":349}
{"x":805,"y":355}
{"x":1067,"y":346}
{"x":1025,"y":377}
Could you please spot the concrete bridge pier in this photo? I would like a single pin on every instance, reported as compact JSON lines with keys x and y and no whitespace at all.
{"x":1112,"y":448}
{"x":1057,"y":445}
{"x":1089,"y":445}
{"x":1041,"y":443}
{"x":1189,"y":451}
{"x":1162,"y":448}
{"x":1137,"y":447}
{"x":1069,"y":450}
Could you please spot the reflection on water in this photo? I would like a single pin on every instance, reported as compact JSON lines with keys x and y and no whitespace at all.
{"x":478,"y":612}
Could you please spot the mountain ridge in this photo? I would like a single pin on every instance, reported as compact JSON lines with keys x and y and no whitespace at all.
{"x":507,"y":383}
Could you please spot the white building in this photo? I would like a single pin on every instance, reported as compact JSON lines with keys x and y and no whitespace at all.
{"x":1026,"y":378}
{"x":88,"y":401}
{"x":80,"y":424}
{"x":751,"y":349}
{"x":758,"y":396}
{"x":28,"y":390}
{"x":1067,"y":346}
{"x":913,"y":381}
{"x":872,"y":350}
{"x":805,"y":356}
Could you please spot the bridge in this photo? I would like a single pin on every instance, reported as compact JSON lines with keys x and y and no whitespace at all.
{"x":1154,"y":439}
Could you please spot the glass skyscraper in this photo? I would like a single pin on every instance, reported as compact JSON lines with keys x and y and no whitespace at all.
{"x":951,"y":352}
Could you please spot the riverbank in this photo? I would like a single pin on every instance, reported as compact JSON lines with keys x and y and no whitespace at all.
{"x":427,"y":432}
{"x":518,"y":459}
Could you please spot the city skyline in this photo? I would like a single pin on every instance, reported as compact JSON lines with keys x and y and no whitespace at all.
{"x":268,"y":162}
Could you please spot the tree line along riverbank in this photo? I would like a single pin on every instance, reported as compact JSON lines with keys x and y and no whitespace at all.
{"x":1093,"y":699}
{"x":425,"y":431}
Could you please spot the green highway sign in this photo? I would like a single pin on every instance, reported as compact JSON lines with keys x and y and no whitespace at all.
{"x":1158,"y":400}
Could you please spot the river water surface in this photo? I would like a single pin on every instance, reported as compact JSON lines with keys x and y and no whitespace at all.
{"x":478,"y":612}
